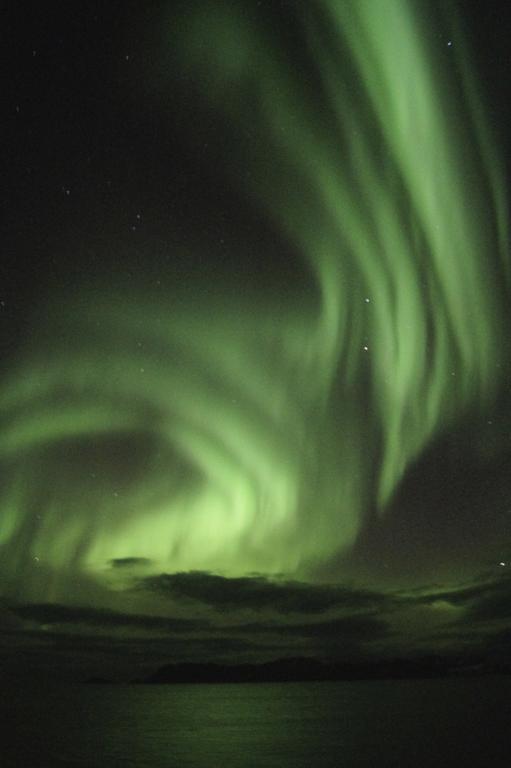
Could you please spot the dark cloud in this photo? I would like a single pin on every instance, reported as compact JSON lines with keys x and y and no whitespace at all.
{"x":130,"y":562}
{"x":55,"y":614}
{"x":288,"y":617}
{"x":499,"y":642}
{"x":347,"y":628}
{"x":8,"y":620}
{"x":493,"y":603}
{"x":148,"y":647}
{"x":259,"y":593}
{"x":360,"y":628}
{"x":489,"y":600}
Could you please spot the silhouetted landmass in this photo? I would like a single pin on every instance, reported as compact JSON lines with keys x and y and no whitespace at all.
{"x":305,"y":669}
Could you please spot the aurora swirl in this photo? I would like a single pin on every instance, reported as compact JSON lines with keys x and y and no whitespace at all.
{"x":237,"y":431}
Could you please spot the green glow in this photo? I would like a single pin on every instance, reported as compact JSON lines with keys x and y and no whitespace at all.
{"x":398,"y":213}
{"x":260,"y":432}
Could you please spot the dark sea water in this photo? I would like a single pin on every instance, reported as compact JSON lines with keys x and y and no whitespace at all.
{"x":408,"y":723}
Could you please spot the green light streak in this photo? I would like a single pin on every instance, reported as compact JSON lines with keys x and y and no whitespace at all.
{"x":273,"y":427}
{"x":393,"y":206}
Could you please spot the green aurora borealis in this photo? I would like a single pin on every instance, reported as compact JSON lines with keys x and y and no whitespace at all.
{"x":212,"y":421}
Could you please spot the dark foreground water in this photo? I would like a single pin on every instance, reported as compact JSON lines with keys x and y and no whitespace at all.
{"x":391,"y":723}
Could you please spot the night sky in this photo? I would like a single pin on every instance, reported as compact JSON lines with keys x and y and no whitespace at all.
{"x":254,"y":310}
